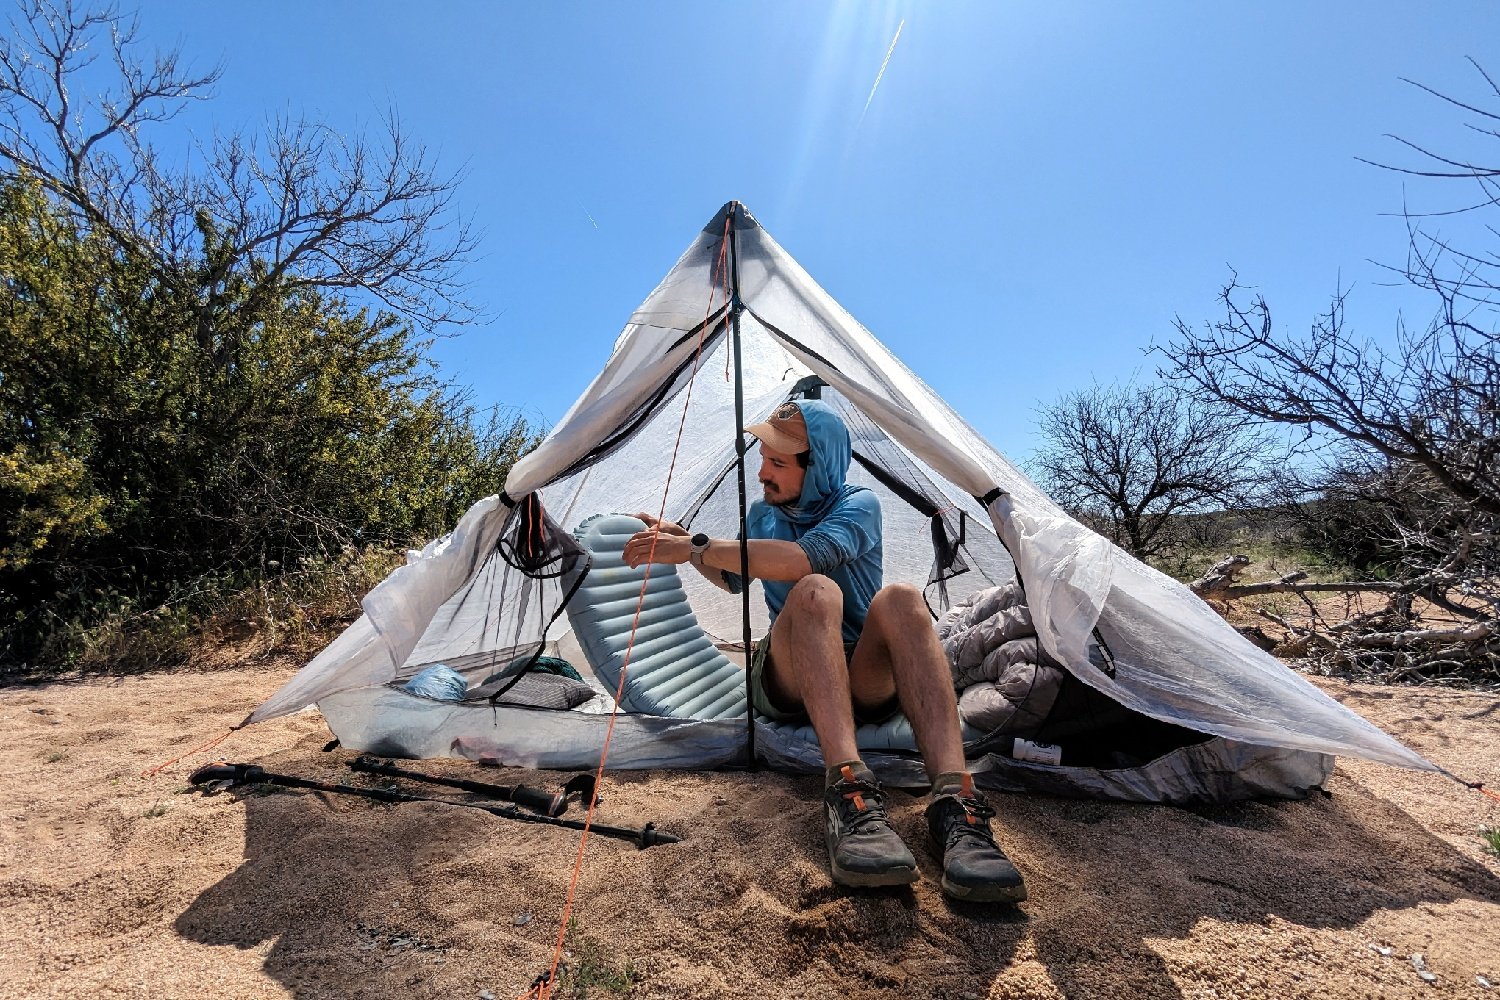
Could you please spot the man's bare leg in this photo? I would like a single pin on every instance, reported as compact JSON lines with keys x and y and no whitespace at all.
{"x":808,"y":668}
{"x":807,"y":665}
{"x":899,"y":654}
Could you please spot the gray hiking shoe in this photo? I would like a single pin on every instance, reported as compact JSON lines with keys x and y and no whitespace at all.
{"x":863,"y":850}
{"x":975,"y":870}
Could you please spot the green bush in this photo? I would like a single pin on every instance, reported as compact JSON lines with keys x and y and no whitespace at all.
{"x":157,"y":457}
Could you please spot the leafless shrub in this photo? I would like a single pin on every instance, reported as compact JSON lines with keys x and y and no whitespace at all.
{"x":1401,"y":442}
{"x":1136,"y":461}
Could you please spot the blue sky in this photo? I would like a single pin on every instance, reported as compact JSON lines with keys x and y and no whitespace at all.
{"x":1033,"y":193}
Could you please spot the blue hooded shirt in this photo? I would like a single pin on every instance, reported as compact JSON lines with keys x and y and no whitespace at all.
{"x":836,"y":524}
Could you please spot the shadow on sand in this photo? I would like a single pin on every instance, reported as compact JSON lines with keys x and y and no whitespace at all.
{"x":418,"y":901}
{"x":1131,"y":876}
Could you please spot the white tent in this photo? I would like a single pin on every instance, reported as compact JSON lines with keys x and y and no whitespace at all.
{"x":730,"y":332}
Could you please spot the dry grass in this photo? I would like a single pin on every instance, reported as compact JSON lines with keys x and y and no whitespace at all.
{"x":278,"y":617}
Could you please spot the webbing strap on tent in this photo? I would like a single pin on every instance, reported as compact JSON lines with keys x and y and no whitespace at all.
{"x":533,"y":543}
{"x":1477,"y":786}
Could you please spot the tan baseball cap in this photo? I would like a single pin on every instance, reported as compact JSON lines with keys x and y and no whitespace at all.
{"x":785,"y":431}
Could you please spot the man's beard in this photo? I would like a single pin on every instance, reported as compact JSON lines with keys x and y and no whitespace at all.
{"x":766,"y":488}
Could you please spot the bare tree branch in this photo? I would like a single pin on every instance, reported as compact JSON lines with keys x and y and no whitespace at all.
{"x":301,"y":206}
{"x":1400,"y":445}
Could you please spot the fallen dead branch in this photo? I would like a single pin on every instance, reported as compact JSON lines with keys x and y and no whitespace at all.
{"x":1421,"y":637}
{"x":1387,"y":645}
{"x":1220,"y":584}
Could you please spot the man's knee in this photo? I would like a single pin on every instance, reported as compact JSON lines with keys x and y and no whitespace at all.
{"x":899,"y":601}
{"x":815,"y":597}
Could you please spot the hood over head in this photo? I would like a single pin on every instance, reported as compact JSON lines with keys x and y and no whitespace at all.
{"x":830,"y":453}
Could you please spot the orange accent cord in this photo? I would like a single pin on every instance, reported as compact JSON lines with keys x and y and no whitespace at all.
{"x":152,"y":772}
{"x":542,"y":989}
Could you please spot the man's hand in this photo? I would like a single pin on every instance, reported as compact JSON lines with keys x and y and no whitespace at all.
{"x":664,"y":526}
{"x":670,"y":549}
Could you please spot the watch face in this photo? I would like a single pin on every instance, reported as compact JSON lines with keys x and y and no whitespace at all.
{"x":700,"y":542}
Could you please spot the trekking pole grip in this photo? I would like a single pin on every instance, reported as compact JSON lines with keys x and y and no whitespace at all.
{"x":538,"y":800}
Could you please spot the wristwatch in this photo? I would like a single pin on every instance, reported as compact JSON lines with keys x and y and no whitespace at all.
{"x":700,"y":545}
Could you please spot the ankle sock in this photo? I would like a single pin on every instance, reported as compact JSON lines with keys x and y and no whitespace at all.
{"x":952,"y":783}
{"x":832,"y":773}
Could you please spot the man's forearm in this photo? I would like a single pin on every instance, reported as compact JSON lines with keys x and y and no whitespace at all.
{"x":669,"y":544}
{"x":770,"y":559}
{"x":711,"y":574}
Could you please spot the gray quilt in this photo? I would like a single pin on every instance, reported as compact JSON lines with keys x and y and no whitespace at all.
{"x":1006,"y":683}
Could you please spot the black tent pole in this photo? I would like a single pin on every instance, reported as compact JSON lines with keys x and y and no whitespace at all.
{"x":735,"y":308}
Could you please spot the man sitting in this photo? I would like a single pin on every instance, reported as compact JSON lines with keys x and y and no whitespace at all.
{"x":844,"y":650}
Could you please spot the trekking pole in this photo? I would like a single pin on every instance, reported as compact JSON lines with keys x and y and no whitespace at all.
{"x":523,"y":795}
{"x":240,"y":774}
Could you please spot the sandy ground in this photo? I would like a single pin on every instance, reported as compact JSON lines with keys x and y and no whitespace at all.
{"x":115,"y":885}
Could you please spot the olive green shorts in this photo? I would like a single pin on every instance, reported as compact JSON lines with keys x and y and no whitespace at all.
{"x":761,"y":698}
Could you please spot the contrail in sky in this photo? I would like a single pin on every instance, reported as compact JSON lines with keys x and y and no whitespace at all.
{"x":884,"y":63}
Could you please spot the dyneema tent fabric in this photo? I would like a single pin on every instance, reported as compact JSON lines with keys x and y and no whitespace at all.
{"x":737,"y":314}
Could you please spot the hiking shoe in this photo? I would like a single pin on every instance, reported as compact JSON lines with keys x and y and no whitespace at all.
{"x":863,"y":850}
{"x":975,"y":870}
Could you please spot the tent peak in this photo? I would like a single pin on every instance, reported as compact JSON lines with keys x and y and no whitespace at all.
{"x":743,"y":220}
